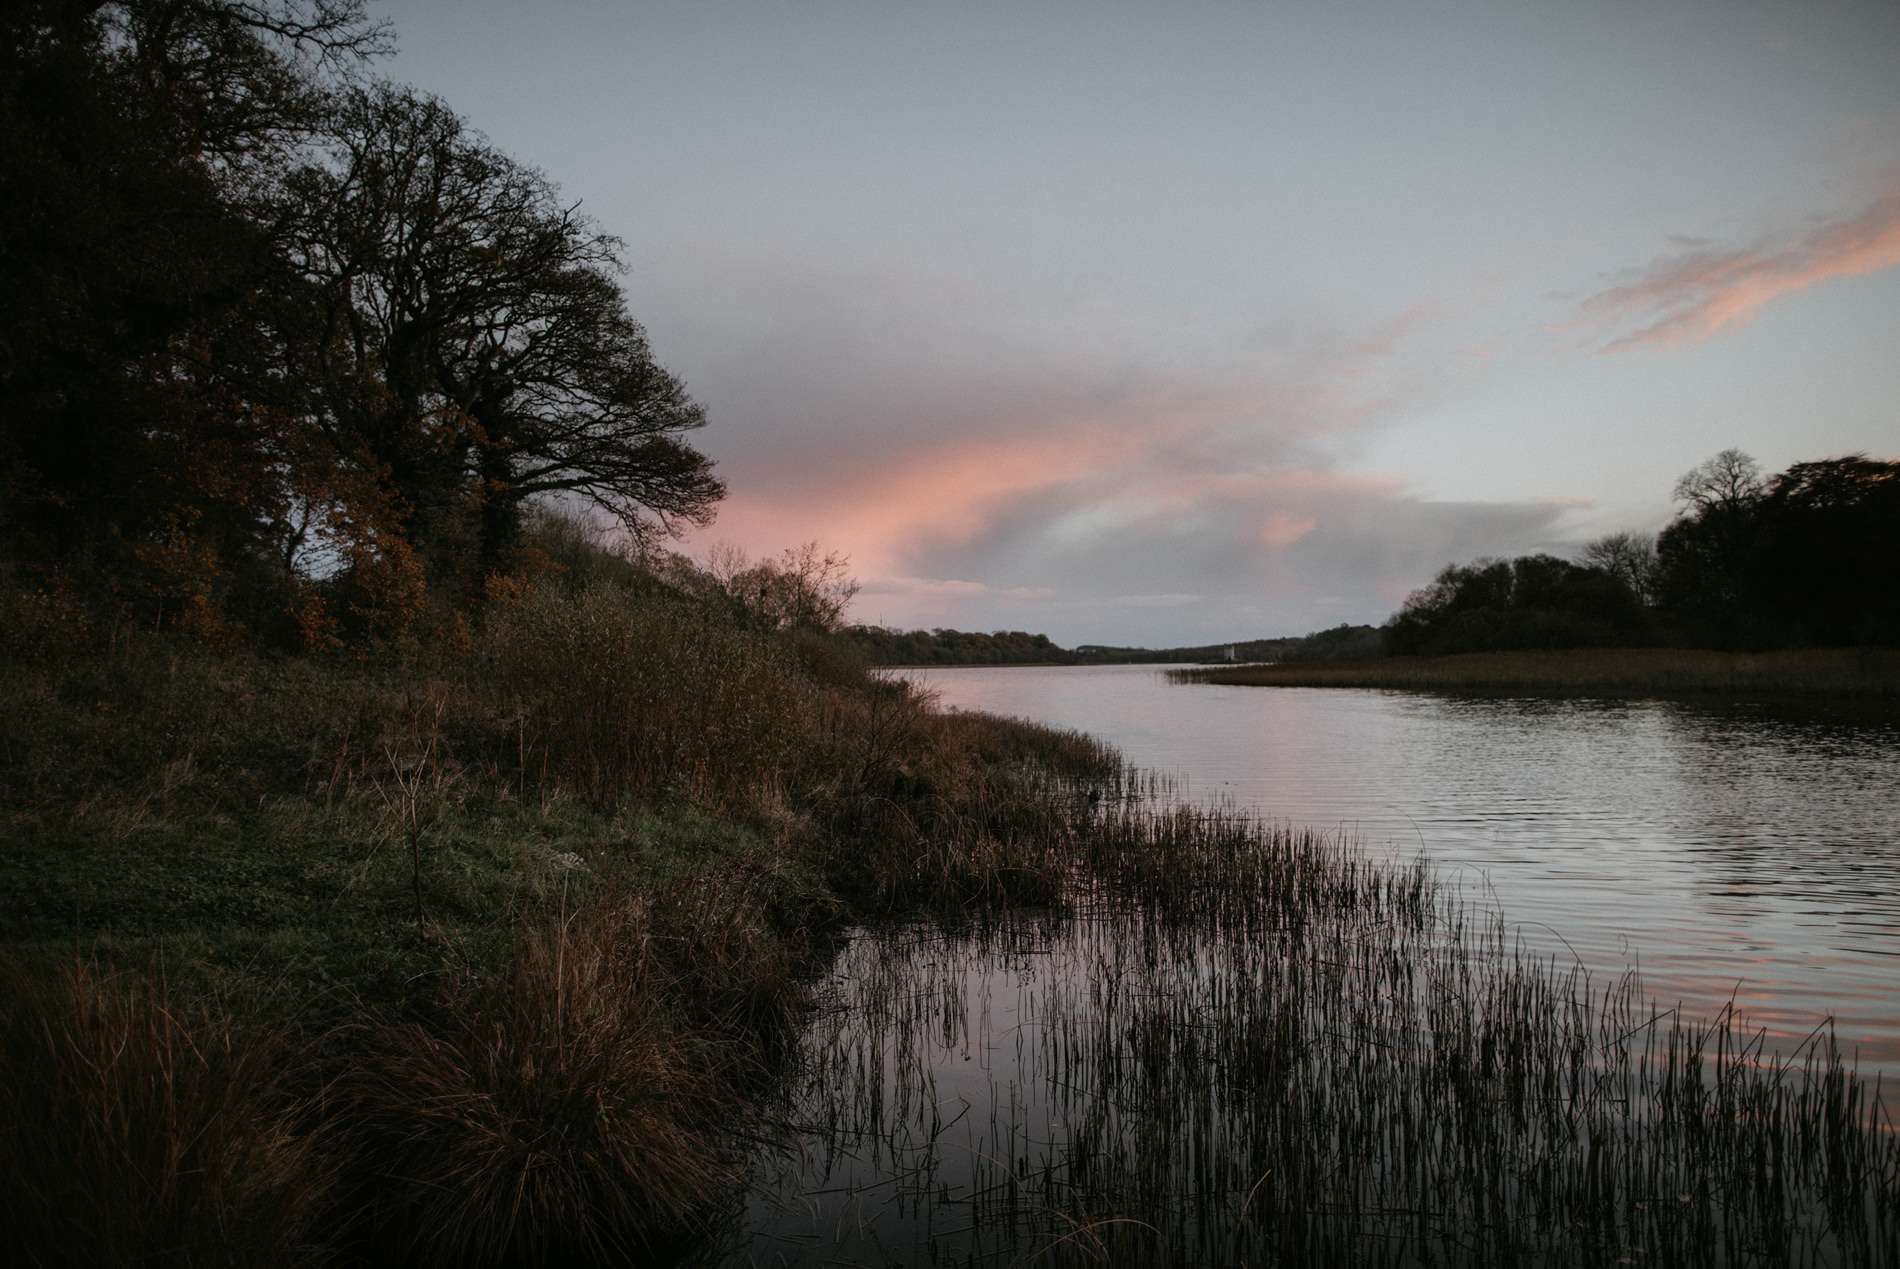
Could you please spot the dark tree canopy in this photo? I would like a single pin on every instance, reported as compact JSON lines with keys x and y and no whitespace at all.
{"x":1809,"y":558}
{"x":1534,"y":601}
{"x":276,"y":343}
{"x":135,"y":139}
{"x":483,"y":317}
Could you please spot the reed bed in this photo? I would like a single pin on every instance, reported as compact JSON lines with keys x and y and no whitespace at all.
{"x":1845,"y":673}
{"x":1241,"y":1043}
{"x":145,"y":1125}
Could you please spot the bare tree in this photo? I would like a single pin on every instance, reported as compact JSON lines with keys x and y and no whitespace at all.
{"x":1729,"y":480}
{"x":1628,"y":557}
{"x":801,"y":587}
{"x":481,"y":338}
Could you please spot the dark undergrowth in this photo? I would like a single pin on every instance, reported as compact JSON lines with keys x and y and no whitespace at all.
{"x":474,"y":959}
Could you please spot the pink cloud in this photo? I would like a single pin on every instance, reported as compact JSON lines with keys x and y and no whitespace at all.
{"x":925,"y":586}
{"x":1701,"y":292}
{"x":1283,"y":530}
{"x":877,"y":510}
{"x":1384,"y":342}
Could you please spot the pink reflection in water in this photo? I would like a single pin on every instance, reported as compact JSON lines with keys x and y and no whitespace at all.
{"x":1726,"y":851}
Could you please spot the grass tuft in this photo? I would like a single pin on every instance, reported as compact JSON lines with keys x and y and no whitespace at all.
{"x":143,"y":1126}
{"x":565,"y":1110}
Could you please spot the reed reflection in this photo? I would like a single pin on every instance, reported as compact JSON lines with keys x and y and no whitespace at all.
{"x":1721,"y":848}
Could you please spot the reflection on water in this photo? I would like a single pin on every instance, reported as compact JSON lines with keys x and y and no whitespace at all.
{"x":1729,"y":850}
{"x":1201,"y":1066}
{"x":1320,"y":1082}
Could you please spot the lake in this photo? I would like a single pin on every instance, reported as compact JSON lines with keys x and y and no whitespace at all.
{"x":958,"y":1090}
{"x":1721,"y":848}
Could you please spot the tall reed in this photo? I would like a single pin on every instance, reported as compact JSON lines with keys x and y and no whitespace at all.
{"x":622,"y":692}
{"x":1240,"y":1043}
{"x":140,"y":1125}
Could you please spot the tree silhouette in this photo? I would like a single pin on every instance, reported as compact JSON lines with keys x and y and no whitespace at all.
{"x":1628,"y":557}
{"x":469,"y":341}
{"x":1534,"y":601}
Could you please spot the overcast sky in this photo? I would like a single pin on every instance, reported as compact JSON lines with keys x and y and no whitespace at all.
{"x":1169,"y":323}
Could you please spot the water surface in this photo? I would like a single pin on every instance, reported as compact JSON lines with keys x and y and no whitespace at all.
{"x":1724,"y":849}
{"x":1058,"y":1086}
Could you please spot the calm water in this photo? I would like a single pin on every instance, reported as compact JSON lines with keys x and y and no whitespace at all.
{"x":1721,"y":849}
{"x":1725,"y":852}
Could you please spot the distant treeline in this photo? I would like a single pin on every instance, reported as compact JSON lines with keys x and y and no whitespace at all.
{"x":1341,"y":643}
{"x":1807,"y":558}
{"x":880,"y":646}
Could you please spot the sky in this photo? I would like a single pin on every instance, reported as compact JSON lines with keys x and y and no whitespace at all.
{"x":1176,"y":323}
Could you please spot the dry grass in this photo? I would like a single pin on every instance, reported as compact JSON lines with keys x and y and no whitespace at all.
{"x":393,"y":849}
{"x":618,"y":693}
{"x":141,"y":1126}
{"x":543,"y":1116}
{"x":1859,"y":673}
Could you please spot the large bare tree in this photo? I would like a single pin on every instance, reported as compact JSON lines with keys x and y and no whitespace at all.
{"x":471,"y":336}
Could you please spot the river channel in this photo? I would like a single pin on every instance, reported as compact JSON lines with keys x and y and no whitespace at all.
{"x":1720,"y":848}
{"x":1741,"y":859}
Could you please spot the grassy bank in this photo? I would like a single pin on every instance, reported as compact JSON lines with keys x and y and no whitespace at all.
{"x":1842,"y":673}
{"x":477,"y":959}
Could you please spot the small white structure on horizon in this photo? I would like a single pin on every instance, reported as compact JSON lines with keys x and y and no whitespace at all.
{"x":1230,"y":652}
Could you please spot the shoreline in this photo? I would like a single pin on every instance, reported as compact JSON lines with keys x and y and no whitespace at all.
{"x":430,"y":938}
{"x":1822,"y":673}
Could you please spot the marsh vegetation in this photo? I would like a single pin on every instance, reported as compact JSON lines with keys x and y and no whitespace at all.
{"x":478,"y":957}
{"x":1241,"y":1043}
{"x":1842,"y":673}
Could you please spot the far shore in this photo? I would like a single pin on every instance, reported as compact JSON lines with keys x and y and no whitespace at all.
{"x":1850,"y":673}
